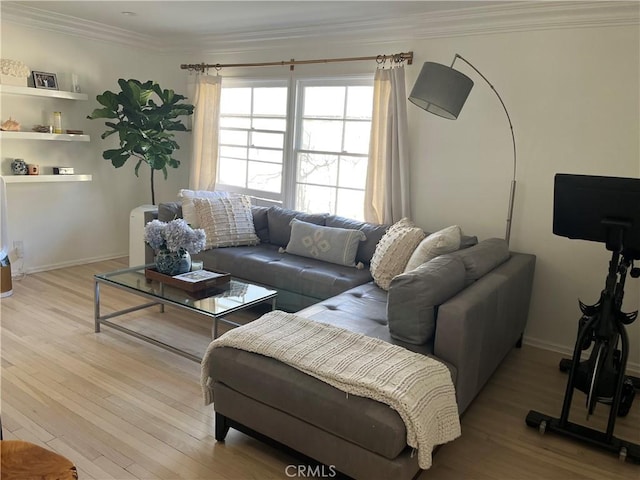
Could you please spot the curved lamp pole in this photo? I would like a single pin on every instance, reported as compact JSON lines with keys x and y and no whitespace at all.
{"x":441,"y":90}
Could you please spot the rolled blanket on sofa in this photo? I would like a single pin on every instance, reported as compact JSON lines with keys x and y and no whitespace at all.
{"x":418,"y":387}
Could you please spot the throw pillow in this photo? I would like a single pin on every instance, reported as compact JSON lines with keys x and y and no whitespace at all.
{"x":188,"y":208}
{"x":393,"y":251}
{"x":227,"y":221}
{"x":333,"y":245}
{"x":443,"y":241}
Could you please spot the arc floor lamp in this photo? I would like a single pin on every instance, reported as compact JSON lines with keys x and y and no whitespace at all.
{"x":441,"y":90}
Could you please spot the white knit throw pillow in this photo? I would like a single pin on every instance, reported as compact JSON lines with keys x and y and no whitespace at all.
{"x":393,"y":251}
{"x":188,"y":208}
{"x":439,"y":243}
{"x":227,"y":222}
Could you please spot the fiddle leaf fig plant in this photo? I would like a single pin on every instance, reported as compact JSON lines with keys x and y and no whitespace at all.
{"x":144,"y":127}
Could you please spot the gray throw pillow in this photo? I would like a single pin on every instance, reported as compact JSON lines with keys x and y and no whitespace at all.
{"x":414,"y":296}
{"x":333,"y":245}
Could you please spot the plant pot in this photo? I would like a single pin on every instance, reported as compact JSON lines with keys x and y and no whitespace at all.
{"x":173,"y":263}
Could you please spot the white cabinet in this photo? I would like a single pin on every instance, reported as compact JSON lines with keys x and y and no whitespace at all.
{"x":35,"y":136}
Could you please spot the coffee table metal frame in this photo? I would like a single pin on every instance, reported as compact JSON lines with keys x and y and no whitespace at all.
{"x":106,"y":278}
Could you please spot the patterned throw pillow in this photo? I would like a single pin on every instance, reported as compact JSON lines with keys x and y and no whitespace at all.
{"x":443,"y":241}
{"x":330,"y":244}
{"x":188,"y":208}
{"x":393,"y":251}
{"x":227,"y":221}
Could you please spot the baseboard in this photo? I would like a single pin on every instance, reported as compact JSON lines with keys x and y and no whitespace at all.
{"x":633,"y":368}
{"x":72,"y":263}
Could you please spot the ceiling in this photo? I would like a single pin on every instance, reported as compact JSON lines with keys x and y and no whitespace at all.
{"x":241,"y":25}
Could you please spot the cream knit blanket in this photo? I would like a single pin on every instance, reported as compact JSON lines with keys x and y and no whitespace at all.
{"x":419,"y":388}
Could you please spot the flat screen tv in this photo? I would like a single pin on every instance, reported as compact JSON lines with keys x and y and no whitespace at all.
{"x":599,"y":209}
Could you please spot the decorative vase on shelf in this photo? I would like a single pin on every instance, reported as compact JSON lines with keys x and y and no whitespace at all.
{"x":173,"y":263}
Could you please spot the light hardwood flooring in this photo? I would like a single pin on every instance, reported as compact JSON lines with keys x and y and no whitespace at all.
{"x":120,"y":408}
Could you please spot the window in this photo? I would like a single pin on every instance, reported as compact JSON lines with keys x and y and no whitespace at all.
{"x":311,"y":156}
{"x":332,"y":145}
{"x":252,"y":135}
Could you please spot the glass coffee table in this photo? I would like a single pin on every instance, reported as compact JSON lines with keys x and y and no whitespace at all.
{"x":214,"y":304}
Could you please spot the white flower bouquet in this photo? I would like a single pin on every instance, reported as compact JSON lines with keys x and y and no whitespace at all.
{"x":174,"y":236}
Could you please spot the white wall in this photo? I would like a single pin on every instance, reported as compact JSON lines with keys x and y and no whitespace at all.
{"x":71,"y":223}
{"x":573,"y":95}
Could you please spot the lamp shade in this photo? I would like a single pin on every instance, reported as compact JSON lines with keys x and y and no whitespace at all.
{"x":441,"y":90}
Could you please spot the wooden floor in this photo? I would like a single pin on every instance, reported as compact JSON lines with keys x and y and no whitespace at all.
{"x":123,"y":409}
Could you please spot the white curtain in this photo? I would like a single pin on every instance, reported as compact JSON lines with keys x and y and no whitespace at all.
{"x":206,"y":118}
{"x":387,"y":194}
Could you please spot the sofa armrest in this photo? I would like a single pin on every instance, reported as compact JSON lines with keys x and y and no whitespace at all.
{"x":478,"y":327}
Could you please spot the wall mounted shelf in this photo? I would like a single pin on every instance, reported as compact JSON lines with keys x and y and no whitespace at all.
{"x":41,"y":92}
{"x":63,"y":137}
{"x":46,"y":178}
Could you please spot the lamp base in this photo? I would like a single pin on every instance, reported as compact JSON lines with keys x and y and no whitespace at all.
{"x":6,"y":286}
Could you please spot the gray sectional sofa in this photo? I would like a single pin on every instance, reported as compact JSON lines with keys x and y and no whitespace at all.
{"x":467,"y":309}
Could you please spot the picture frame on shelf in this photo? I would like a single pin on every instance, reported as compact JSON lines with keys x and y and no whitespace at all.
{"x":45,"y":80}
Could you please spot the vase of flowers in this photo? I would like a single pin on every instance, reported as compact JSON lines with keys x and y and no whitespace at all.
{"x":174,"y":242}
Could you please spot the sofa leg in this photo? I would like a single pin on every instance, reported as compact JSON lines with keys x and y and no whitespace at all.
{"x":519,"y":342}
{"x":221,"y":427}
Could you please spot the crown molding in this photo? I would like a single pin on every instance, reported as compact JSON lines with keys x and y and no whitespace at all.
{"x":489,"y":19}
{"x":20,"y":14}
{"x":528,"y":16}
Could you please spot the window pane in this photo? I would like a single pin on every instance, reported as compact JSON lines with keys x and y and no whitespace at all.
{"x":278,"y":124}
{"x":235,"y":100}
{"x":265,"y":176}
{"x":261,"y":139}
{"x":350,"y":204}
{"x":323,"y":135}
{"x":319,"y":169}
{"x":353,"y":172}
{"x":270,"y":101}
{"x":232,"y":172}
{"x":262,"y":154}
{"x":310,"y":198}
{"x":356,"y":137}
{"x":233,"y":152}
{"x":324,"y":101}
{"x":235,"y":122}
{"x":233,"y":137}
{"x":359,"y":102}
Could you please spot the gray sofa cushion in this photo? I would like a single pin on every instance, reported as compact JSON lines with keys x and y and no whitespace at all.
{"x":414,"y":295}
{"x":367,"y":423}
{"x":263,"y":264}
{"x":372,"y":231}
{"x":261,"y":223}
{"x":169,"y":211}
{"x":482,"y":258}
{"x":279,"y":219}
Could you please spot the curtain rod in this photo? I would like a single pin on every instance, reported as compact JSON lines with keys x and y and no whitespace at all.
{"x":396,"y":58}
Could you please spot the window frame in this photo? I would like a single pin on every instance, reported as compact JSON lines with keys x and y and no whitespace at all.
{"x":293,"y":127}
{"x":316,"y":81}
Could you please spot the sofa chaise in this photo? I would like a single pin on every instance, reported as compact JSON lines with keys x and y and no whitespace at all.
{"x":467,"y":309}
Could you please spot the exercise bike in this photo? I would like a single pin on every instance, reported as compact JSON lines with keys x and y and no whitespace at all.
{"x":605,"y":209}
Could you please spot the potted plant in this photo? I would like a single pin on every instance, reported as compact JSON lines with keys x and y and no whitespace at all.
{"x":174,"y":242}
{"x":143,"y":126}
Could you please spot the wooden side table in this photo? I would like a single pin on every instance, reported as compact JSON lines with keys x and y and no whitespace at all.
{"x":26,"y":461}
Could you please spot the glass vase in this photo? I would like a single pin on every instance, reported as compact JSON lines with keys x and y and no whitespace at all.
{"x":173,"y":263}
